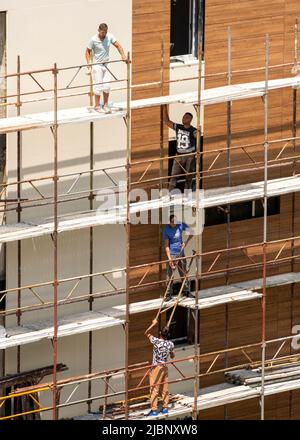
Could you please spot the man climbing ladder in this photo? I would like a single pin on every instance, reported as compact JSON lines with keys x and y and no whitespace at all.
{"x":98,"y":52}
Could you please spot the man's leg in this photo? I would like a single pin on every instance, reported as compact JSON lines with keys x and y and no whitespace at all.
{"x":107,"y":78}
{"x":154,"y":374}
{"x":165,"y":387}
{"x":190,"y":166}
{"x":182,"y":268}
{"x":97,"y":100}
{"x":169,"y":283}
{"x":105,"y":99}
{"x":176,"y":169}
{"x":97,"y":84}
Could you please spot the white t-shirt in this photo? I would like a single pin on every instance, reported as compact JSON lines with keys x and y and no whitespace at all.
{"x":100,"y":48}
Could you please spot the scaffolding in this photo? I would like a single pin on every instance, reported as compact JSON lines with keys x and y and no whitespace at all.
{"x":209,"y":265}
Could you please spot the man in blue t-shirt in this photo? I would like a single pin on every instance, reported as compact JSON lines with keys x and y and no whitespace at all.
{"x":174,"y":245}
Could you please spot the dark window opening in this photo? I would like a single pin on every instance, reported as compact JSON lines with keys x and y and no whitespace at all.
{"x":241,"y":211}
{"x":180,"y":323}
{"x":184,"y":25}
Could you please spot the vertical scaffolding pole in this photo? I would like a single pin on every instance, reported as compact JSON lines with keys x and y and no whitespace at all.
{"x":294,"y":134}
{"x":55,"y":244}
{"x":128,"y":172}
{"x":266,"y":146}
{"x":3,"y":114}
{"x":161,"y":164}
{"x":19,"y":208}
{"x":198,"y":216}
{"x":228,"y":229}
{"x":91,"y":262}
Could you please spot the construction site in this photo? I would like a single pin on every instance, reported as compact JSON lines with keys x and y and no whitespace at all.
{"x":84,"y":203}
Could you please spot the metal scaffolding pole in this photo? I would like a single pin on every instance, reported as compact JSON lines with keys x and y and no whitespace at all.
{"x":294,"y":134}
{"x":199,"y":162}
{"x":128,"y":171}
{"x":91,"y":241}
{"x":266,"y":146}
{"x":55,"y":243}
{"x":228,"y":227}
{"x":161,"y":155}
{"x":19,"y":208}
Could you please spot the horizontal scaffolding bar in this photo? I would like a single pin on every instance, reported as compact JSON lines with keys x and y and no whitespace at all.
{"x":211,"y":96}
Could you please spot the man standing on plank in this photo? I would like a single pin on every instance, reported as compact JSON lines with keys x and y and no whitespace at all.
{"x":98,"y":52}
{"x":162,"y":349}
{"x":186,"y":136}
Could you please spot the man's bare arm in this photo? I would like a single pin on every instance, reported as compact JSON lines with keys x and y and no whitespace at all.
{"x":172,"y":354}
{"x":121,"y":50}
{"x":167,"y":121}
{"x":189,"y":237}
{"x":88,"y":57}
{"x":167,"y":247}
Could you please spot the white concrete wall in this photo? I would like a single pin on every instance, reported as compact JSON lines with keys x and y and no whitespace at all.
{"x":43,"y":32}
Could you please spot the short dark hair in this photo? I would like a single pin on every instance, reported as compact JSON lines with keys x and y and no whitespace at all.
{"x":103,"y":27}
{"x":172,"y":216}
{"x":189,"y":114}
{"x":165,"y":332}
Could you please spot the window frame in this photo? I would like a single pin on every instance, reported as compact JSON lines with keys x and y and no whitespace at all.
{"x":193,"y":38}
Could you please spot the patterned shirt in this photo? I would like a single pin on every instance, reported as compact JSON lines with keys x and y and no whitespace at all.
{"x":161,"y":350}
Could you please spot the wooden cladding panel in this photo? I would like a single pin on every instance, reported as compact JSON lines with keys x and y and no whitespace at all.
{"x":151,"y":23}
{"x":249,"y":21}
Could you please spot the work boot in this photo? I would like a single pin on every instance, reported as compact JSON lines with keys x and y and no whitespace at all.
{"x":169,"y":296}
{"x":187,"y":289}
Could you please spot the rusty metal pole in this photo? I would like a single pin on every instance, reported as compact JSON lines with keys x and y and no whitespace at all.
{"x":19,"y":207}
{"x":55,"y":243}
{"x":161,"y":163}
{"x":294,"y":135}
{"x":91,"y":263}
{"x":198,"y":213}
{"x":266,"y":146}
{"x":228,"y":229}
{"x":128,"y":172}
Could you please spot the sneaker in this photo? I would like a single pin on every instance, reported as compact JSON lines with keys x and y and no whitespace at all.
{"x":97,"y":109}
{"x":106,"y":109}
{"x":169,"y":297}
{"x":165,"y":411}
{"x":188,"y":294}
{"x":152,"y":414}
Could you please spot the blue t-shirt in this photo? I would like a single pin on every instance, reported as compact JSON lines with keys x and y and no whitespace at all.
{"x":174,"y":235}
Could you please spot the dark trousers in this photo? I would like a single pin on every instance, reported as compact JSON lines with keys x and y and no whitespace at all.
{"x":182,"y":164}
{"x":181,"y":266}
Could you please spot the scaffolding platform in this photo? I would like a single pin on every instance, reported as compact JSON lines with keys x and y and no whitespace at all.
{"x":84,"y":219}
{"x":115,"y":316}
{"x":71,"y":325}
{"x":210,"y":397}
{"x":211,"y":96}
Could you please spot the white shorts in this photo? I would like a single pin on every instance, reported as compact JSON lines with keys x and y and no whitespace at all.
{"x":101,"y":75}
